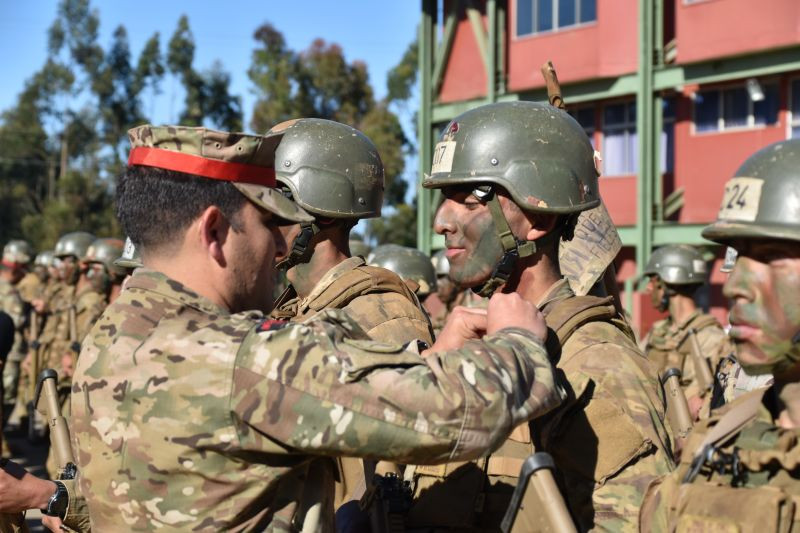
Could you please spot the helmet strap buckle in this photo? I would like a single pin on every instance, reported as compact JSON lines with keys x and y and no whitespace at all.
{"x":300,"y":246}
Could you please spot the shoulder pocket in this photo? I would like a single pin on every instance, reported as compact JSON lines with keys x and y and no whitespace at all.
{"x":368,"y":355}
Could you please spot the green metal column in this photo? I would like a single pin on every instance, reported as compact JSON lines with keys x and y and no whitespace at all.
{"x":644,"y":123}
{"x":426,"y":48}
{"x":491,"y":63}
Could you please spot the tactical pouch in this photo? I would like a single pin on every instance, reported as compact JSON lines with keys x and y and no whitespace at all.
{"x":447,"y":496}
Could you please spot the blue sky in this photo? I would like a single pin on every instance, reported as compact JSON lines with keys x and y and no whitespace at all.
{"x":375,"y":31}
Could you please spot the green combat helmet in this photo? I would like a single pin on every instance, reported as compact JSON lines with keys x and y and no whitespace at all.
{"x":331,"y":170}
{"x":17,"y":252}
{"x":44,"y":259}
{"x":74,"y":244}
{"x":106,"y":252}
{"x":730,"y":259}
{"x":763,"y":197}
{"x":539,"y":154}
{"x":408,"y":263}
{"x":677,"y":264}
{"x":130,"y":258}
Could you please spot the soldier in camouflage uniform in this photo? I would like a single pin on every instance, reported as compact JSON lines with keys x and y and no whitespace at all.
{"x":675,"y":273}
{"x":738,"y":470}
{"x":190,"y":412}
{"x":16,"y":257}
{"x":335,"y":173}
{"x":514,"y":176}
{"x":103,"y":272}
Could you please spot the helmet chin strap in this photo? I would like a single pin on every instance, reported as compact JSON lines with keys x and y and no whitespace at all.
{"x":513,"y":248}
{"x":300,"y":246}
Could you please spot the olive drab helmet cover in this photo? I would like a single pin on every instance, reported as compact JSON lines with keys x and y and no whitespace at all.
{"x":408,"y":263}
{"x":677,"y":264}
{"x":762,"y":201}
{"x":331,"y":170}
{"x":539,"y":154}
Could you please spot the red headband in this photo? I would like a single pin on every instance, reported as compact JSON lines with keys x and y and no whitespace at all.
{"x":200,"y":166}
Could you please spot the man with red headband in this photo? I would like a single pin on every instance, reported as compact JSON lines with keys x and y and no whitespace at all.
{"x":190,"y":410}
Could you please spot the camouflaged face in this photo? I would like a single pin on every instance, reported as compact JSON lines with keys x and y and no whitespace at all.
{"x":187,"y":417}
{"x":257,"y":150}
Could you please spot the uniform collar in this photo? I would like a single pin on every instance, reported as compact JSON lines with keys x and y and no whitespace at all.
{"x":559,"y":290}
{"x":154,"y":281}
{"x":688,"y":320}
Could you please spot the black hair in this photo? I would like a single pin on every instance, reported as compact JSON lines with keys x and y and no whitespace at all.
{"x":155,"y":206}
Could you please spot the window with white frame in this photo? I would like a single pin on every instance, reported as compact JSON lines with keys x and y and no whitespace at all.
{"x":794,"y":131}
{"x":735,"y":107}
{"x":620,"y":157}
{"x":585,"y":117}
{"x":538,"y":16}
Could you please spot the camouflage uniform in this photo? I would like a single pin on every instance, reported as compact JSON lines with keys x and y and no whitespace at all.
{"x":12,"y":304}
{"x":189,"y":417}
{"x":608,"y":439}
{"x":668,"y":346}
{"x":390,"y":313}
{"x":186,"y":416}
{"x":739,"y":469}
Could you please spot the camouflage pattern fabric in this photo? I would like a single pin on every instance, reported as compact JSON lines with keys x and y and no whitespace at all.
{"x":187,"y":417}
{"x":391,"y":317}
{"x":668,"y":346}
{"x":12,"y":304}
{"x":30,"y":287}
{"x":759,"y":495}
{"x":608,"y":440}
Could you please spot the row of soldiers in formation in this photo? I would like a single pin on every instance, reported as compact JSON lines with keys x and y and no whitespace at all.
{"x":193,"y":412}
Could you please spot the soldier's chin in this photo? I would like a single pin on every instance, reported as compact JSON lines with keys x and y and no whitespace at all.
{"x":752,"y":359}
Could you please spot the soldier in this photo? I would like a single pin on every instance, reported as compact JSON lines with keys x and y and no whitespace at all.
{"x":190,"y":412}
{"x":675,"y":273}
{"x":739,"y":468}
{"x":103,"y":272}
{"x":438,"y":304}
{"x":358,"y":247}
{"x":408,"y":263}
{"x":514,"y":176}
{"x":16,"y":257}
{"x":334,"y":172}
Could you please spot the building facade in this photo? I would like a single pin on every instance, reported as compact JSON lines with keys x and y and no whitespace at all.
{"x":674,"y":94}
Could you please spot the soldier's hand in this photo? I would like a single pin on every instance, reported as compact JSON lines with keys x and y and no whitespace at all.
{"x":67,"y":365}
{"x":463,"y":324}
{"x":512,"y":311}
{"x":39,"y":305}
{"x":52,"y":523}
{"x":20,"y":490}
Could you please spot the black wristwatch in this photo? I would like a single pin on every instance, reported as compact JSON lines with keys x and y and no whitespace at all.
{"x":57,"y":506}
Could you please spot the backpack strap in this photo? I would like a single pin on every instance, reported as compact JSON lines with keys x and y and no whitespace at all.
{"x":566,"y":316}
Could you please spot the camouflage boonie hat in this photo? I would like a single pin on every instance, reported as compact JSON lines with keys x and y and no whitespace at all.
{"x":17,"y":252}
{"x":130,"y":258}
{"x":247,"y":161}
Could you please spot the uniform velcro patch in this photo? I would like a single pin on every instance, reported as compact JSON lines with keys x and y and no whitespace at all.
{"x":272,"y":325}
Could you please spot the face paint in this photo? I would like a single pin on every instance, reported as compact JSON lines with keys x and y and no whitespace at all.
{"x":98,"y":278}
{"x":765,"y":316}
{"x":655,"y":288}
{"x":473,"y":247}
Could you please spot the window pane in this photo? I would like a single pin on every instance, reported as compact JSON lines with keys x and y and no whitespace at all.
{"x":544,"y":15}
{"x":614,"y":115}
{"x":614,"y":154}
{"x":766,"y":111}
{"x":796,"y":101}
{"x":668,"y":108}
{"x":735,"y":107}
{"x":566,"y":13}
{"x":585,"y":117}
{"x":667,"y":149}
{"x":632,"y":112}
{"x":524,"y":17}
{"x":633,"y":153}
{"x":588,"y":10}
{"x":796,"y":132}
{"x":706,"y":111}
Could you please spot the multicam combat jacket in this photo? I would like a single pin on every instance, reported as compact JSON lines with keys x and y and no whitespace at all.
{"x":186,"y":416}
{"x":608,"y":438}
{"x":385,"y":308}
{"x":668,"y":346}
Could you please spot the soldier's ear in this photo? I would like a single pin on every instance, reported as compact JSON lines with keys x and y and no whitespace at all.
{"x":212,"y":229}
{"x":541,"y":225}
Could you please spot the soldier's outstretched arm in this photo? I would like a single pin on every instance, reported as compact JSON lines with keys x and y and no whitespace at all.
{"x":313,"y":387}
